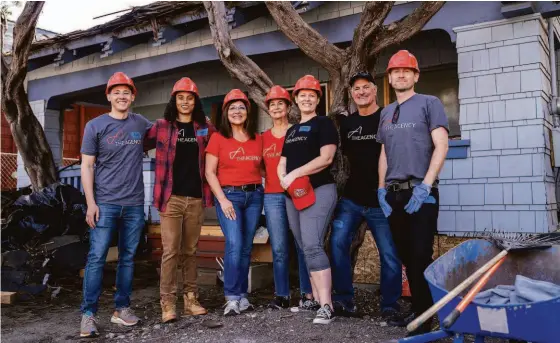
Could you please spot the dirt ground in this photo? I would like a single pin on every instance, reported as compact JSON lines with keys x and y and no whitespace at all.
{"x":43,"y":319}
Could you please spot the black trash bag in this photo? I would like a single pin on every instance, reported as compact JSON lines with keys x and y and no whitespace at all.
{"x":69,"y":258}
{"x":58,"y":209}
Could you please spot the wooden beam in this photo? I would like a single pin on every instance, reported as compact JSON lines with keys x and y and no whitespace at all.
{"x":386,"y":91}
{"x":8,"y":297}
{"x":82,"y":123}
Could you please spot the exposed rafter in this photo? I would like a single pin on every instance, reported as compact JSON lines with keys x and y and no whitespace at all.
{"x":114,"y":45}
{"x":306,"y":6}
{"x":167,"y":34}
{"x":161,"y":24}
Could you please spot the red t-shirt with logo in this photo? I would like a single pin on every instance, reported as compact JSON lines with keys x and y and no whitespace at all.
{"x":239,"y":163}
{"x":272,"y":150}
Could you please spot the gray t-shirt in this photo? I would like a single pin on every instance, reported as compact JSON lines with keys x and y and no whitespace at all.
{"x":408,"y":143}
{"x":118,"y":148}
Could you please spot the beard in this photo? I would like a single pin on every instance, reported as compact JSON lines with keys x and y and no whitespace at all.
{"x":403,"y":89}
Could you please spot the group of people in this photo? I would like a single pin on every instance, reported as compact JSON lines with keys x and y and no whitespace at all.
{"x":394,"y":154}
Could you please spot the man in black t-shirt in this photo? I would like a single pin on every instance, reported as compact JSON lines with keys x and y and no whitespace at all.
{"x":359,"y":202}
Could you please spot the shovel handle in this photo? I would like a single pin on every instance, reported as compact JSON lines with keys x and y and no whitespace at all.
{"x":456,"y":313}
{"x":454,"y":292}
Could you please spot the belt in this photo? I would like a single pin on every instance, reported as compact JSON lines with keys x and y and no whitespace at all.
{"x":404,"y":185}
{"x":244,"y":188}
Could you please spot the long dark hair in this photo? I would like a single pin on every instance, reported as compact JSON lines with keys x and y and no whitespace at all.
{"x":170,"y":114}
{"x":249,"y":125}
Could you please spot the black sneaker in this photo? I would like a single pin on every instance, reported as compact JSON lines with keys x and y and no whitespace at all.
{"x":394,"y":318}
{"x":279,"y":303}
{"x":345,"y":309}
{"x":325,"y":315}
{"x":309,"y":305}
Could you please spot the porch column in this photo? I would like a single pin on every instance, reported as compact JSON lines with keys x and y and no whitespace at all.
{"x":50,"y":121}
{"x":506,"y":183}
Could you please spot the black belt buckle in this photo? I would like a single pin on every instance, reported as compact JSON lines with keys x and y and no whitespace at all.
{"x":397,"y":187}
{"x":249,"y":188}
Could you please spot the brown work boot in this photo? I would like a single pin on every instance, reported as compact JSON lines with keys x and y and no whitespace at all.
{"x":168,"y":309}
{"x":192,"y":306}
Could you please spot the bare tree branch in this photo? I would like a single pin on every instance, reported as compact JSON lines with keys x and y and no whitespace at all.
{"x":25,"y":30}
{"x":371,"y":24}
{"x":407,"y":27}
{"x":237,"y":64}
{"x":305,"y":37}
{"x":28,"y":134}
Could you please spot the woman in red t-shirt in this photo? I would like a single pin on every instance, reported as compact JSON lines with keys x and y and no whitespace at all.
{"x":233,"y":171}
{"x":278,"y":102}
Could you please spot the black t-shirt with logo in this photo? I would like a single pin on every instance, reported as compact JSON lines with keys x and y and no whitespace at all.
{"x":186,"y":172}
{"x":303,"y":144}
{"x":358,"y":135}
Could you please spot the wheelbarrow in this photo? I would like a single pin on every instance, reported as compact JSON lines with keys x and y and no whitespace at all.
{"x":537,"y":322}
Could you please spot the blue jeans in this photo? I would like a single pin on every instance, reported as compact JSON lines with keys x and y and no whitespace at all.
{"x":129,"y":221}
{"x":348,"y":217}
{"x":239,"y":234}
{"x":278,"y":227}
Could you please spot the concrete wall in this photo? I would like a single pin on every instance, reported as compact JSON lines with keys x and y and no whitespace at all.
{"x":506,"y":183}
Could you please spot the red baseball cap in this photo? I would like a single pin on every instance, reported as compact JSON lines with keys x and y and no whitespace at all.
{"x":302,"y":193}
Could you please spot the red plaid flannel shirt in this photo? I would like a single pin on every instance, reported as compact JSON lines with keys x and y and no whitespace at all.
{"x":163,"y":136}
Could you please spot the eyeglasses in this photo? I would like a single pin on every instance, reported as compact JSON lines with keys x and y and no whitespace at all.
{"x":396,"y":114}
{"x":238,"y":108}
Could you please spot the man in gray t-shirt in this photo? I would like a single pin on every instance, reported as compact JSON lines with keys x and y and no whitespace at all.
{"x":117,"y":147}
{"x":413,"y":132}
{"x":409,"y":141}
{"x":112,"y":152}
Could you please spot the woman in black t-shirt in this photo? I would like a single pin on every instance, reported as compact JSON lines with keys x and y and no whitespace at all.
{"x":307,"y":155}
{"x":181,"y":192}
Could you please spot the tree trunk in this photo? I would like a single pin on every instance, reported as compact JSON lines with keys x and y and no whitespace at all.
{"x":371,"y":37}
{"x":237,"y":64}
{"x":28,"y":134}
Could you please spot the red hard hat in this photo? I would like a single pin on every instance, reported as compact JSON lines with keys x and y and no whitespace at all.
{"x":120,"y":78}
{"x":277,"y":92}
{"x":403,"y":59}
{"x":308,"y":82}
{"x":236,"y":94}
{"x":185,"y":84}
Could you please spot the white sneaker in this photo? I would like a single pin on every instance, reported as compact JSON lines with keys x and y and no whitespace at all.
{"x":309,"y":305}
{"x":325,"y":315}
{"x":245,"y":305}
{"x":231,"y":308}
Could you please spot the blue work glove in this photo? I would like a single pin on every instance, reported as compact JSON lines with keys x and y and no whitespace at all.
{"x":385,"y":207}
{"x":419,"y":195}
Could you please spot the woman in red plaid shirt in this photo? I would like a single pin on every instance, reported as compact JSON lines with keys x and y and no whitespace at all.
{"x":181,"y":192}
